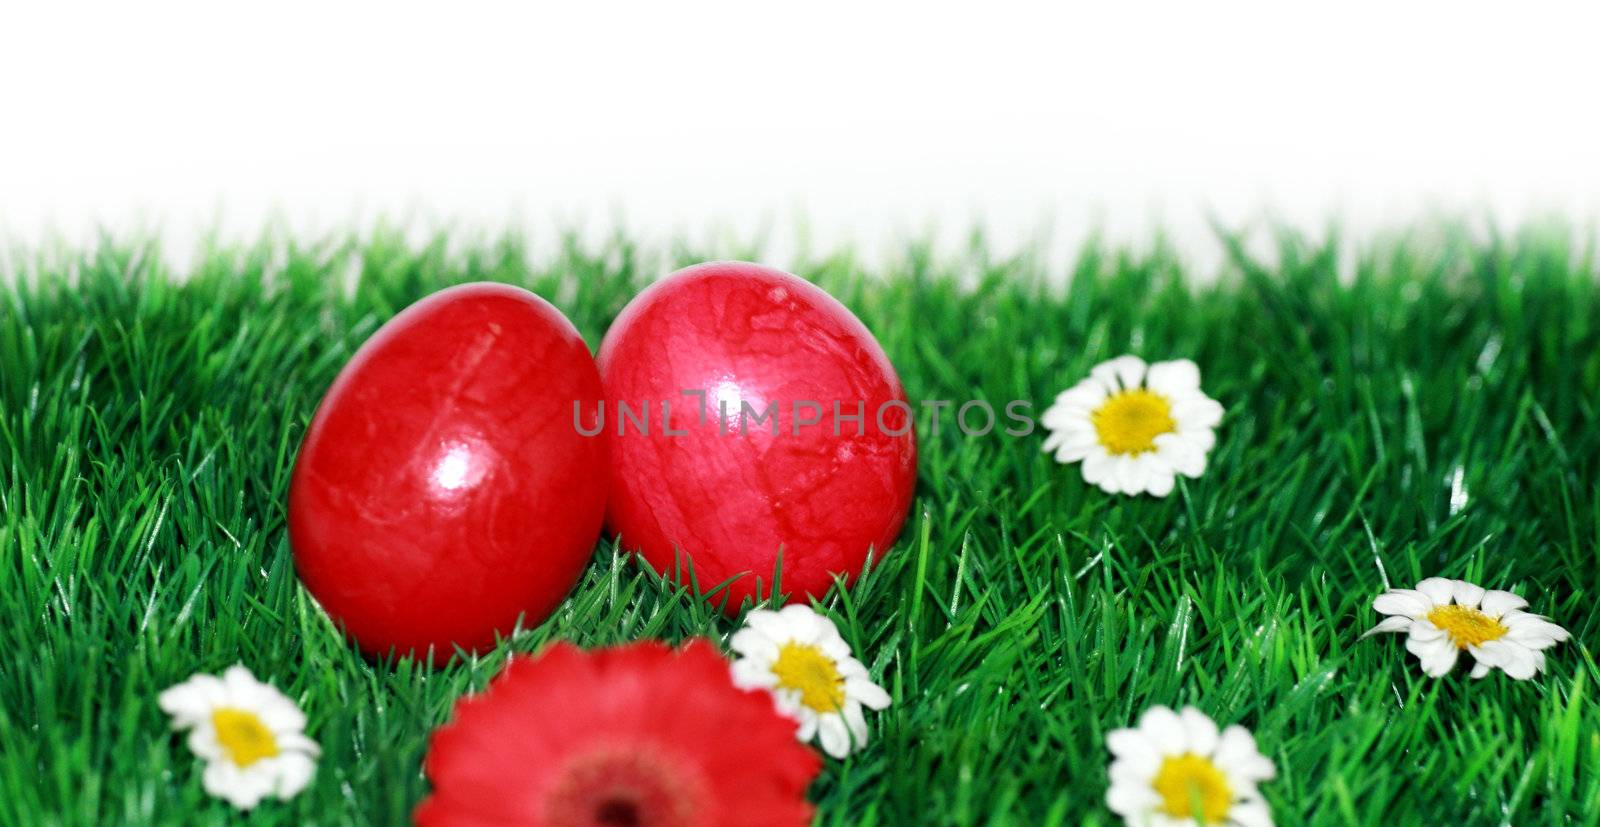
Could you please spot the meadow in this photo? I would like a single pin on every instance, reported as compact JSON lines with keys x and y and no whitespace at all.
{"x":1428,"y":404}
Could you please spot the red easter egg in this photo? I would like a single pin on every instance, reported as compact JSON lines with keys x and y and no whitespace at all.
{"x":730,"y":492}
{"x":443,"y":489}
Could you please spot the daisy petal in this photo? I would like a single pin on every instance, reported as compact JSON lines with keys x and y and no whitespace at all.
{"x":752,"y":643}
{"x":242,"y":788}
{"x":1438,"y":589}
{"x":1131,"y":799}
{"x":294,"y":772}
{"x":1468,"y":594}
{"x":768,"y":623}
{"x":1200,"y":412}
{"x":1199,"y":730}
{"x":856,"y":723}
{"x":1067,"y":454}
{"x":1163,"y":727}
{"x":1131,"y":744}
{"x":1406,"y":602}
{"x":1201,"y":439}
{"x":1251,"y":814}
{"x":1130,"y":475}
{"x":1397,"y":623}
{"x":868,"y":693}
{"x":1437,"y":657}
{"x":1520,"y":663}
{"x":192,"y":700}
{"x":1181,"y":455}
{"x":1121,"y":373}
{"x":297,"y":742}
{"x":749,"y":673}
{"x":1496,"y":603}
{"x":805,"y":625}
{"x":808,"y":725}
{"x":1174,"y":378}
{"x":1072,"y":407}
{"x":1237,"y":754}
{"x":1534,"y":631}
{"x":1096,"y":467}
{"x":1160,"y":483}
{"x":834,"y":735}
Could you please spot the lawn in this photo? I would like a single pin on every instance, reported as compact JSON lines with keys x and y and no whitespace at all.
{"x":1433,"y":410}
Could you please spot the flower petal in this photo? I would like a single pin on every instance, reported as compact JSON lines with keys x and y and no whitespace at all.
{"x":1131,"y":800}
{"x":1201,"y":439}
{"x":1437,"y":657}
{"x":1407,"y":602}
{"x":1121,"y":373}
{"x":294,"y":771}
{"x":867,"y":692}
{"x":1438,"y":589}
{"x":243,"y":788}
{"x":1199,"y":412}
{"x":1468,"y":594}
{"x":1174,"y":378}
{"x":1496,"y":603}
{"x":1130,"y":475}
{"x":296,"y":742}
{"x":1164,"y":729}
{"x":1069,"y":453}
{"x":805,"y":625}
{"x":856,"y":723}
{"x":1533,"y":631}
{"x":752,"y":643}
{"x":750,"y":673}
{"x":1199,"y":730}
{"x":1425,"y":630}
{"x":769,"y":623}
{"x":1520,"y":663}
{"x":193,"y":700}
{"x":1238,"y":755}
{"x":1160,"y":483}
{"x":1097,"y":467}
{"x":808,"y":724}
{"x":833,"y":733}
{"x":1181,"y":455}
{"x":280,"y":714}
{"x":1250,"y":814}
{"x":1398,"y":623}
{"x":202,"y":741}
{"x":1134,"y":746}
{"x":244,"y":691}
{"x":1082,"y":397}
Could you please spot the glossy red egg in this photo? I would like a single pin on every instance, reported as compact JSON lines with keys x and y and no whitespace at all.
{"x":730,"y":493}
{"x":443,"y":490}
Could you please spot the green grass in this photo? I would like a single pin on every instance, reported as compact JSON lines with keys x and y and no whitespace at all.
{"x":1433,"y":413}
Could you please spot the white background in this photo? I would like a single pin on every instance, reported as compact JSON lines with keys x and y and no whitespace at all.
{"x":874,"y":122}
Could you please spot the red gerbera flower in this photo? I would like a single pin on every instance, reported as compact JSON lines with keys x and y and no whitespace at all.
{"x":632,"y":736}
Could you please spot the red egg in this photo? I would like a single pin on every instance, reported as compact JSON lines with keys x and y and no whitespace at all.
{"x":443,"y":490}
{"x":731,"y":493}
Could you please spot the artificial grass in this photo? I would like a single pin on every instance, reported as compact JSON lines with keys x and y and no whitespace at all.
{"x":1433,"y":412}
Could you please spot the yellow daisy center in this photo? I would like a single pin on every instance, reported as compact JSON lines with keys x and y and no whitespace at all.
{"x":1466,"y":627}
{"x":243,"y":736}
{"x":1190,"y":785}
{"x":804,"y":668}
{"x":1128,"y":422}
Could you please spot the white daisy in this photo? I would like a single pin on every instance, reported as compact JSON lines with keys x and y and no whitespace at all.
{"x":1134,"y":427}
{"x":1443,"y":618}
{"x":799,"y":657}
{"x":1176,"y":770}
{"x":251,"y":736}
